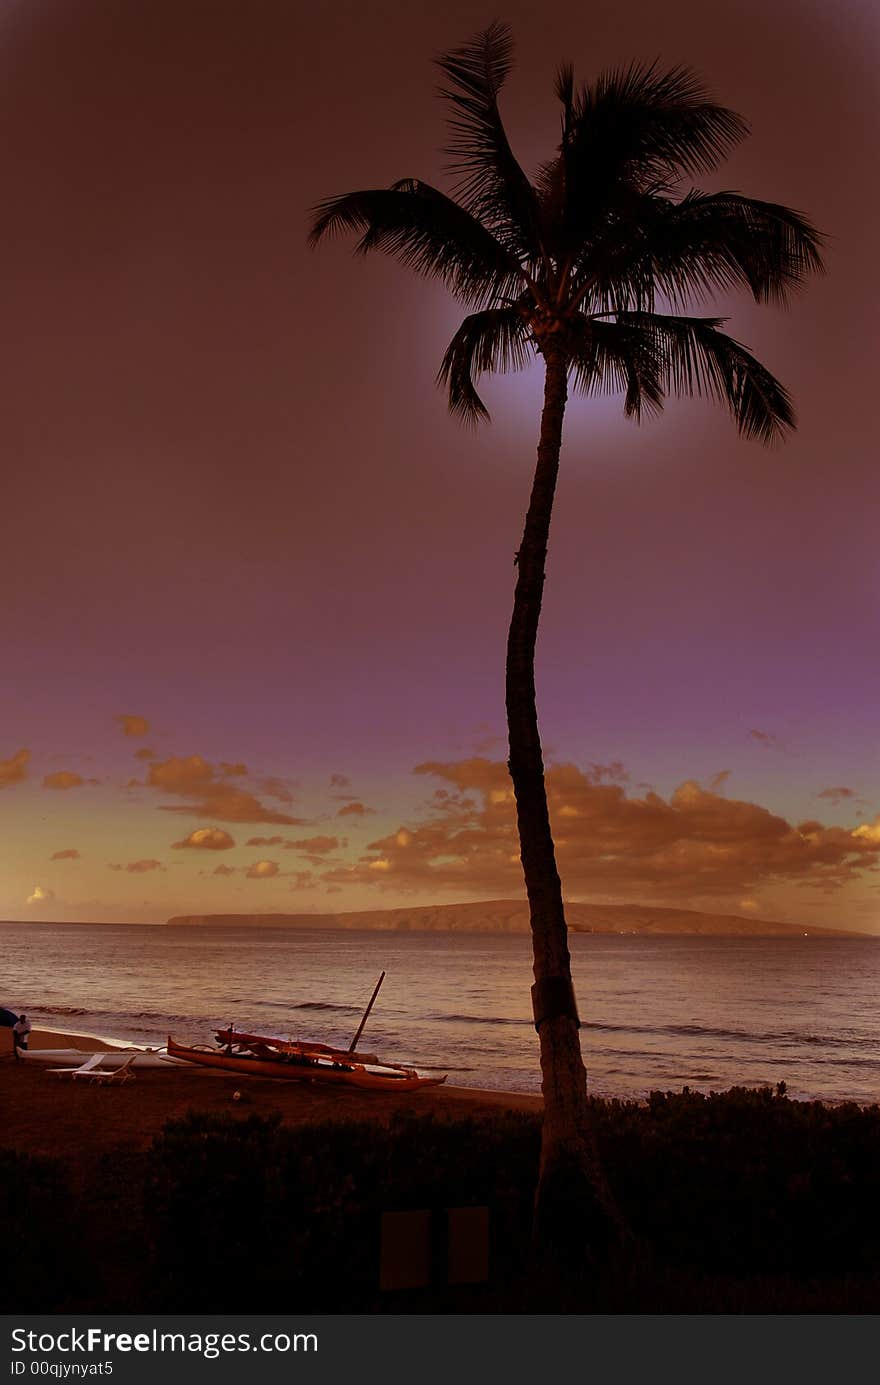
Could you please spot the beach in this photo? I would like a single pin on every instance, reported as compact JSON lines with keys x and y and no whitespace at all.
{"x":48,"y":1114}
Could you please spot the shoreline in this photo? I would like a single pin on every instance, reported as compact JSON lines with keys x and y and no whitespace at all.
{"x":44,"y":1038}
{"x":41,"y":1036}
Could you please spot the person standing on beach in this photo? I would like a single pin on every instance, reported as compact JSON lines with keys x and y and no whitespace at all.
{"x":20,"y":1031}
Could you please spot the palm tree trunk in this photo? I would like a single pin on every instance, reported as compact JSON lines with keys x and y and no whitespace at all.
{"x":571,"y":1202}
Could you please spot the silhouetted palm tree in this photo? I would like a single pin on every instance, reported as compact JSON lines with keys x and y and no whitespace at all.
{"x":590,"y":265}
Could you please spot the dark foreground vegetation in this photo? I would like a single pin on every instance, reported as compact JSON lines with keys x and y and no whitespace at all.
{"x":743,"y":1202}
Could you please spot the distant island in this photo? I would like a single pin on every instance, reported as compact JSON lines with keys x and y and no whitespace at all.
{"x":512,"y":916}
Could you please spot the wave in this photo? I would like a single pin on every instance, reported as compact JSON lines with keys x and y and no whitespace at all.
{"x":477,"y":1019}
{"x":860,"y":1049}
{"x":125,"y":1015}
{"x":160,"y":1015}
{"x":846,"y":1063}
{"x":326,"y":1005}
{"x":708,"y":1031}
{"x":778,"y":1036}
{"x":690,"y":1031}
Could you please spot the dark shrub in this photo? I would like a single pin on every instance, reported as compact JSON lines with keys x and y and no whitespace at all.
{"x":747,"y":1182}
{"x":246,"y":1213}
{"x":735,"y":1200}
{"x":38,"y":1267}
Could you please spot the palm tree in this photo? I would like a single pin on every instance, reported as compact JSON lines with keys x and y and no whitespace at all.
{"x":590,"y":265}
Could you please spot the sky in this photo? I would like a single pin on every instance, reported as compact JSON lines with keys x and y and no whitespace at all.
{"x":256,"y":580}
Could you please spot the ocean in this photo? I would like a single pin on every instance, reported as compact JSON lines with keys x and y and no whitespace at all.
{"x":658,"y":1013}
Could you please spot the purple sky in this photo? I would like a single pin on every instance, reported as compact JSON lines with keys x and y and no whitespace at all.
{"x":235,"y":505}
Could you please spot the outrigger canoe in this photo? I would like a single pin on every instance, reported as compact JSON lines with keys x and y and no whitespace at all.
{"x":234,"y":1038}
{"x":257,"y":1056}
{"x":110,"y":1058}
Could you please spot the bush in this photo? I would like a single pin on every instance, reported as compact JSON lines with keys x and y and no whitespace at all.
{"x":281,"y":1215}
{"x":747,"y":1182}
{"x":39,"y":1233}
{"x":735,"y":1200}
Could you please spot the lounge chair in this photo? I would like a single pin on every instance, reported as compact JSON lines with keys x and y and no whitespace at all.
{"x":88,"y":1066}
{"x":109,"y":1076}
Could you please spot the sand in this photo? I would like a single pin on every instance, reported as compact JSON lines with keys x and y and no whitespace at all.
{"x":56,"y":1038}
{"x":47,"y":1114}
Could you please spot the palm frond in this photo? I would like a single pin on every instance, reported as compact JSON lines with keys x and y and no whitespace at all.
{"x":640,"y":129}
{"x":551,"y":195}
{"x":698,"y":359}
{"x":564,"y":89}
{"x":731,"y":240}
{"x":701,"y":244}
{"x":493,"y":340}
{"x":617,"y":357}
{"x":490,"y":183}
{"x":693,"y":248}
{"x":661,"y":124}
{"x":611,"y":265}
{"x":429,"y":232}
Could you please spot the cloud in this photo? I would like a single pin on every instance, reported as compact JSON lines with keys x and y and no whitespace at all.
{"x":194,"y":778}
{"x":140,"y":867}
{"x":181,"y":775}
{"x":266,"y":841}
{"x":15,"y":770}
{"x":230,"y":770}
{"x":315,"y":845}
{"x":614,"y":772}
{"x":235,"y":805}
{"x":276,"y":788}
{"x":63,"y":779}
{"x":354,"y":810}
{"x":145,"y":753}
{"x":836,"y":796}
{"x":339,"y":781}
{"x":303,"y":880}
{"x":223,"y":869}
{"x":869,"y":832}
{"x":763,"y":738}
{"x":206,"y":839}
{"x":40,"y":895}
{"x":133,"y":726}
{"x":70,"y":853}
{"x":719,"y":780}
{"x":262,"y":870}
{"x":695,"y":844}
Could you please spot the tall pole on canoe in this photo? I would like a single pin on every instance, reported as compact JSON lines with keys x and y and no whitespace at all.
{"x":353,"y":1045}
